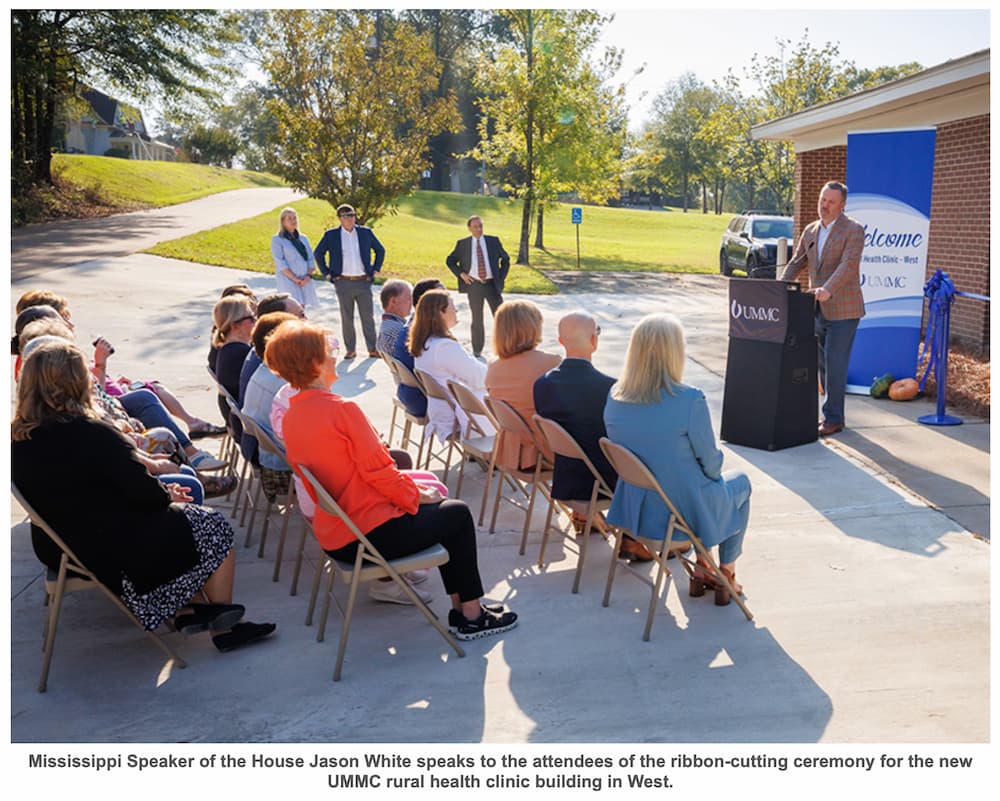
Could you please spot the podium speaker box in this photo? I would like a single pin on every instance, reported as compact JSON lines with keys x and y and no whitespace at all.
{"x":770,"y":399}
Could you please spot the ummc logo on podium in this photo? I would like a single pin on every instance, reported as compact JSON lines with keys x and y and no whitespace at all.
{"x":764,"y":314}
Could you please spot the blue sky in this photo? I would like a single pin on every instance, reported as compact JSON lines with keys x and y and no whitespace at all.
{"x":709,"y":42}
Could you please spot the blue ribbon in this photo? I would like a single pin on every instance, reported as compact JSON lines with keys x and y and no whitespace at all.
{"x":940,"y":293}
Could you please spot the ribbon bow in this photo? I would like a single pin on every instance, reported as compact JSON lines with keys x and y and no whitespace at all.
{"x":940,"y":293}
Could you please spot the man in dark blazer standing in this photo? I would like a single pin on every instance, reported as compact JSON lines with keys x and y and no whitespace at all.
{"x":480,"y":263}
{"x":355,"y":256}
{"x":573,"y":395}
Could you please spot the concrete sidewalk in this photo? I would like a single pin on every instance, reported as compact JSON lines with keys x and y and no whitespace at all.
{"x":869,"y":588}
{"x":36,"y":249}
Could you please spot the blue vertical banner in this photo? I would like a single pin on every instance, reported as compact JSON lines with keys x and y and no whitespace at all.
{"x":890,"y":175}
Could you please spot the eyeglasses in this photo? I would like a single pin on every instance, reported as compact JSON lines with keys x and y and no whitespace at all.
{"x":347,"y":214}
{"x":244,"y":319}
{"x":597,"y":330}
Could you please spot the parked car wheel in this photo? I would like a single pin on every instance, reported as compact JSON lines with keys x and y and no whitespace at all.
{"x":724,"y":263}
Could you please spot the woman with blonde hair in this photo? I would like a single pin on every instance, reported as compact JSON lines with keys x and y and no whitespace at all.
{"x":667,"y":425}
{"x":437,"y":353}
{"x":293,"y":259}
{"x":334,"y":439}
{"x":234,"y":317}
{"x":157,"y":554}
{"x":517,"y":332}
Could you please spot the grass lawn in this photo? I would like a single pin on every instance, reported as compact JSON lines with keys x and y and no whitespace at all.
{"x":423,"y":233}
{"x":123,"y":182}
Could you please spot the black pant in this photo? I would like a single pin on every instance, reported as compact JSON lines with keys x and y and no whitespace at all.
{"x":477,"y":294}
{"x":449,"y":523}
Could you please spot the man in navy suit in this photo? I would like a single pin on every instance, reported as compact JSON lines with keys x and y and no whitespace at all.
{"x":355,"y":256}
{"x":573,"y":395}
{"x":480,"y":263}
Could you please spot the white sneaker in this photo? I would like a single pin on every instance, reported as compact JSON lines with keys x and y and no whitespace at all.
{"x":391,"y":593}
{"x":203,"y":460}
{"x":416,"y":576}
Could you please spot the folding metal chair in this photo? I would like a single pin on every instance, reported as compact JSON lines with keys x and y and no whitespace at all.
{"x":631,"y":469}
{"x":368,"y":564}
{"x":245,"y":489}
{"x":397,"y":405}
{"x":561,"y":443}
{"x":407,"y":378}
{"x":511,"y":424}
{"x":229,"y":449}
{"x":72,"y":575}
{"x":268,"y":443}
{"x":433,"y":389}
{"x":473,"y":442}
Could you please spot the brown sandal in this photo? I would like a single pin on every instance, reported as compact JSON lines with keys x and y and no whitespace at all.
{"x":701,"y":579}
{"x":722,"y":595}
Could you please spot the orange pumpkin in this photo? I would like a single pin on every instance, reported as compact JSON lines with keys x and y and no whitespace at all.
{"x":903,"y":390}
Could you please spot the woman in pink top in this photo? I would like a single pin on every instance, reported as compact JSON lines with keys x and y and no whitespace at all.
{"x":517,"y":331}
{"x":333,"y":438}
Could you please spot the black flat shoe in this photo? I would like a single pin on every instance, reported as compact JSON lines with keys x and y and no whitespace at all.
{"x":209,"y":617}
{"x":207,"y":430}
{"x":243,"y":634}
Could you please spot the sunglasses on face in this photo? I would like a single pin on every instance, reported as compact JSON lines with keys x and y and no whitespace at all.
{"x":244,"y":319}
{"x":347,"y":214}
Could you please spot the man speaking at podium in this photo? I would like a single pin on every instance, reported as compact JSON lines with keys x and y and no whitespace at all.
{"x":830,"y":248}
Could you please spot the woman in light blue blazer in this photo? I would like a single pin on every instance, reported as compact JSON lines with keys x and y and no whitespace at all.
{"x":667,"y":425}
{"x":293,"y":260}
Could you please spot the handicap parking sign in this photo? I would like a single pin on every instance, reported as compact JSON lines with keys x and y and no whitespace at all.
{"x":577,"y":216}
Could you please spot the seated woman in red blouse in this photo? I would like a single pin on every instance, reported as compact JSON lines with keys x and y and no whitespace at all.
{"x":336,"y":442}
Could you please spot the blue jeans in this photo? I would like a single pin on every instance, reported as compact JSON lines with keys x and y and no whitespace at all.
{"x":143,"y":405}
{"x":731,"y":547}
{"x":835,"y":339}
{"x":186,"y":477}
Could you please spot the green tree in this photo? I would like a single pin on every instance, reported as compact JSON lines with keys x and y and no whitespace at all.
{"x":354,"y":106}
{"x":210,"y":144}
{"x":681,"y":151}
{"x":541,"y":107}
{"x":55,"y":51}
{"x":793,"y":77}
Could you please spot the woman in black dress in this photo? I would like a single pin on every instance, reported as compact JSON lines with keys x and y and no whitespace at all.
{"x":82,"y":476}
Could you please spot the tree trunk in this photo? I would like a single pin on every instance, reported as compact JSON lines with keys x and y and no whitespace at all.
{"x":539,"y":243}
{"x":522,"y":248}
{"x":529,"y":142}
{"x":684,"y":192}
{"x":704,"y":198}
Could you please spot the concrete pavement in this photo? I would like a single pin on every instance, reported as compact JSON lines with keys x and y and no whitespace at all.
{"x":869,"y":588}
{"x":38,"y":248}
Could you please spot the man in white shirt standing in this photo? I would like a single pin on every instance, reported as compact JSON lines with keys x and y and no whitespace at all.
{"x":355,"y":256}
{"x":480,"y":263}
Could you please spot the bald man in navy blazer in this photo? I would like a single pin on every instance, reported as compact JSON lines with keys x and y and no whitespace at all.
{"x":480,"y":263}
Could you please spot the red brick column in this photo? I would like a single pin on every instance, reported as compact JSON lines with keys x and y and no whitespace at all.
{"x":813,"y":168}
{"x":959,"y":241}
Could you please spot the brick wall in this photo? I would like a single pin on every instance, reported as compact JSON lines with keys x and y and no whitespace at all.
{"x":813,"y":169}
{"x":959,"y":240}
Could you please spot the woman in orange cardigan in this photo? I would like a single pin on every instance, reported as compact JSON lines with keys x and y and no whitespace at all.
{"x":333,"y":438}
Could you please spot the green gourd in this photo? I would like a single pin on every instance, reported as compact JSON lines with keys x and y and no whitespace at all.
{"x":880,"y":386}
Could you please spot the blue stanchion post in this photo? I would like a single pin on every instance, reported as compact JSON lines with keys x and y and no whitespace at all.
{"x":940,"y":293}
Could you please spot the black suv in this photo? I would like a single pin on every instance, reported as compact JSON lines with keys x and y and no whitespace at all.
{"x":750,"y":243}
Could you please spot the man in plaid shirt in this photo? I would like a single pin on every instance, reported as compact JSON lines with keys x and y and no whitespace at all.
{"x":830,"y":249}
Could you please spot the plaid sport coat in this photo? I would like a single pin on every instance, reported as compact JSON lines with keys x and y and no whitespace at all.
{"x":838,"y":271}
